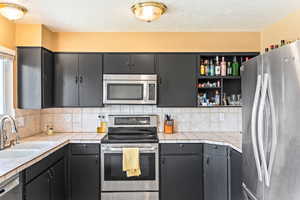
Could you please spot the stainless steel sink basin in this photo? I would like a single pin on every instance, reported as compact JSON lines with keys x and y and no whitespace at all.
{"x":13,"y":154}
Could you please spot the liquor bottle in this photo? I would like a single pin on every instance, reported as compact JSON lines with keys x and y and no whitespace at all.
{"x":206,"y":64}
{"x":229,"y":69}
{"x":235,"y":67}
{"x":211,"y":68}
{"x":217,"y":98}
{"x":223,"y":67}
{"x":282,"y":43}
{"x":202,"y":68}
{"x":217,"y":67}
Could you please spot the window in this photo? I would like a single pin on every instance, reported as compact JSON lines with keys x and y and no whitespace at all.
{"x":6,"y":83}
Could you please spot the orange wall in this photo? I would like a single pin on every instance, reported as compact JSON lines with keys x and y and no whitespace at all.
{"x":287,"y":28}
{"x":28,"y":35}
{"x":7,"y":33}
{"x":158,"y":42}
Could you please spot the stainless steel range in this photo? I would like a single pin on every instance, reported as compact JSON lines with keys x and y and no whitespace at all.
{"x":137,"y":131}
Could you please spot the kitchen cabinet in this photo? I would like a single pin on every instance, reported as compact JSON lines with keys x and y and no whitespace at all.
{"x":235,"y":175}
{"x":46,"y":179}
{"x":181,"y":172}
{"x":78,"y":80}
{"x":85,"y":172}
{"x":215,"y":172}
{"x":35,"y":77}
{"x":133,"y":63}
{"x":177,"y":78}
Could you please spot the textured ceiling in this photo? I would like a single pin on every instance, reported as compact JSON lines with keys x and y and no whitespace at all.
{"x":182,"y":15}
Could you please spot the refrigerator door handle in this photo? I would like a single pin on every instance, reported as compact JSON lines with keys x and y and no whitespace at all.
{"x":274,"y":134}
{"x":260,"y":126}
{"x":253,"y":127}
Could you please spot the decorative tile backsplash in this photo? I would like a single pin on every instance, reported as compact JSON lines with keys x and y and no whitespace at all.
{"x":28,"y":122}
{"x":186,"y":119}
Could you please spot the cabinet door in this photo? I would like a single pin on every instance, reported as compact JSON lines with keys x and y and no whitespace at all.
{"x":90,"y":79}
{"x":177,"y":85}
{"x":48,"y":74}
{"x":66,"y":80}
{"x":181,"y":177}
{"x":116,"y":64}
{"x":215,"y":177}
{"x":142,"y":64}
{"x":39,"y":188}
{"x":235,"y":175}
{"x":58,"y":181}
{"x":29,"y":78}
{"x":85,"y":177}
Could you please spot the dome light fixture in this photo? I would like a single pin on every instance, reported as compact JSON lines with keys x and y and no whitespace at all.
{"x":12,"y":11}
{"x":149,"y":11}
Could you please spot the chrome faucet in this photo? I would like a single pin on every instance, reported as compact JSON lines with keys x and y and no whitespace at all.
{"x":3,"y":132}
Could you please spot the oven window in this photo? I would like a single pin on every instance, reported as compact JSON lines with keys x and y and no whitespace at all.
{"x":113,"y":167}
{"x":132,"y":121}
{"x":125,"y":91}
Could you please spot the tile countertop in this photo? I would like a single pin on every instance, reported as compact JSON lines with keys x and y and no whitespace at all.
{"x":11,"y":166}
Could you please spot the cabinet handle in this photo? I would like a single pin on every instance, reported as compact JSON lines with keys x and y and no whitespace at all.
{"x":162,"y":161}
{"x":76,"y":79}
{"x":80,"y":79}
{"x":207,"y":161}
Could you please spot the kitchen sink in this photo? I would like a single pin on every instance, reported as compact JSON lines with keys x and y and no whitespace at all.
{"x":17,"y":153}
{"x":33,"y":145}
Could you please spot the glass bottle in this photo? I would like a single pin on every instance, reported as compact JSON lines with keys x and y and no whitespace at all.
{"x":235,"y":67}
{"x":206,"y":68}
{"x":217,"y":67}
{"x":211,"y":68}
{"x":223,"y":67}
{"x":202,"y":68}
{"x":229,"y":69}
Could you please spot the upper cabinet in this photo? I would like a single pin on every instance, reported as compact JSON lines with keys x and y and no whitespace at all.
{"x":177,"y":76}
{"x":121,"y":63}
{"x":35,"y":78}
{"x":78,"y":80}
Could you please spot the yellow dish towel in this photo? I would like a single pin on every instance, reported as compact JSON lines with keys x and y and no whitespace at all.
{"x":131,"y":161}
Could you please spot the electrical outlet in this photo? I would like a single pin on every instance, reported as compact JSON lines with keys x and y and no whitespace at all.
{"x":20,"y":122}
{"x":221,"y":116}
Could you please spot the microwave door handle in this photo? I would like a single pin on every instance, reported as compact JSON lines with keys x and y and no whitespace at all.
{"x":261,"y":127}
{"x":146,"y":92}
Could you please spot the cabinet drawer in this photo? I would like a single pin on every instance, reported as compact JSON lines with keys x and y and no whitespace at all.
{"x":181,"y":148}
{"x":85,"y":149}
{"x":215,"y":149}
{"x":41,"y":166}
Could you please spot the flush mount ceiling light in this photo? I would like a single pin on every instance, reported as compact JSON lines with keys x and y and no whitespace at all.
{"x":12,"y":11}
{"x":149,"y":11}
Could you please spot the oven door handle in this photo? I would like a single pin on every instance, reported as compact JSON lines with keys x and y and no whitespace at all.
{"x":118,"y":150}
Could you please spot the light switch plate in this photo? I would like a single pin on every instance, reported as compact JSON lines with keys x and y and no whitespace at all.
{"x":222,"y":116}
{"x":20,"y":122}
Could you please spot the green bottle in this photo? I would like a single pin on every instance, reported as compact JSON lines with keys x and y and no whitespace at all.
{"x":235,"y":67}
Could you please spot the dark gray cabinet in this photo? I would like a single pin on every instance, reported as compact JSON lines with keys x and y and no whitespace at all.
{"x":78,"y":80}
{"x":181,"y":172}
{"x":215,"y":172}
{"x":85,"y":172}
{"x":235,"y":175}
{"x":177,"y":78}
{"x":47,"y":178}
{"x":35,"y":77}
{"x":122,"y":63}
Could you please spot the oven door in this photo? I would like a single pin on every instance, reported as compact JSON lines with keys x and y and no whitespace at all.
{"x":114,"y":179}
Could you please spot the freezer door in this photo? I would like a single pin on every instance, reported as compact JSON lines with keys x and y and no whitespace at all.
{"x":251,"y":70}
{"x":284,"y":69}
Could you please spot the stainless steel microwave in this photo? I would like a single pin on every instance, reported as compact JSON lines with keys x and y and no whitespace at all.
{"x":129,"y":89}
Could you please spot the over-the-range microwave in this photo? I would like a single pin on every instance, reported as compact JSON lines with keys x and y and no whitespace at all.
{"x":129,"y":89}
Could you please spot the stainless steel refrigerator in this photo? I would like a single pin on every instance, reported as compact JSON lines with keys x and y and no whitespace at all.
{"x":271,"y":125}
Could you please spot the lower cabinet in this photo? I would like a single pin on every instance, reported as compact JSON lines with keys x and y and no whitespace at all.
{"x":215,"y":172}
{"x":200,"y":171}
{"x":46,"y":179}
{"x":181,"y":172}
{"x":85,"y":172}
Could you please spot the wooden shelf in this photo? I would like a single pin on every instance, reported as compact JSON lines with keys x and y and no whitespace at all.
{"x":219,"y":77}
{"x":209,"y":88}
